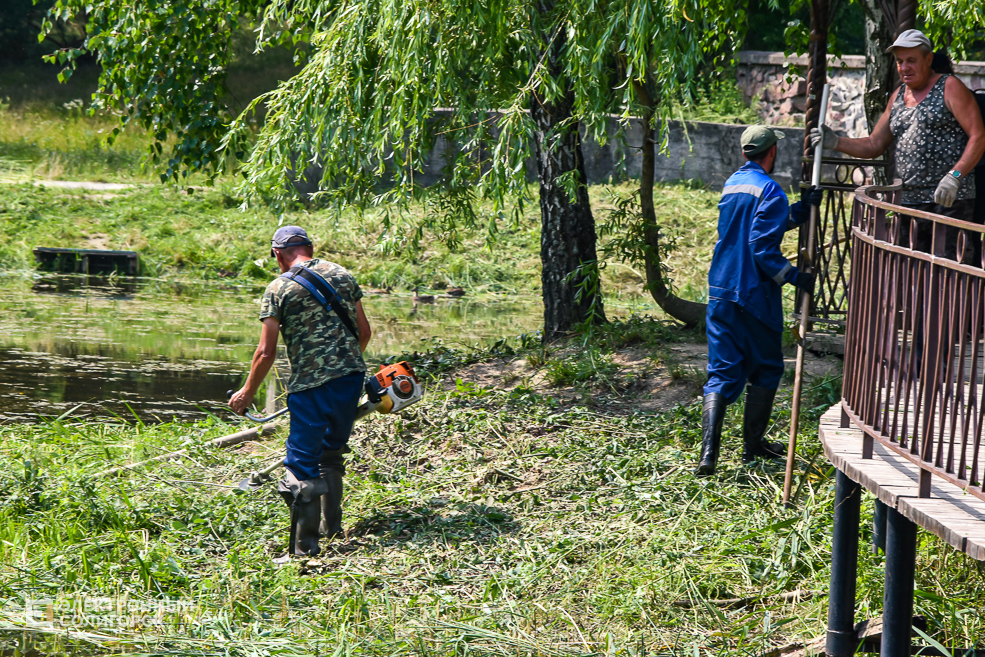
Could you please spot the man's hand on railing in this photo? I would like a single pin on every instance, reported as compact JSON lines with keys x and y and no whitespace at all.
{"x":947,"y":190}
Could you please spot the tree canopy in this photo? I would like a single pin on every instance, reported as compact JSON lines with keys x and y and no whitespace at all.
{"x":376,"y":71}
{"x":958,"y":24}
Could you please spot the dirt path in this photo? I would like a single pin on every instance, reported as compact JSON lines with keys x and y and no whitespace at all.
{"x":82,"y":184}
{"x":643,"y":378}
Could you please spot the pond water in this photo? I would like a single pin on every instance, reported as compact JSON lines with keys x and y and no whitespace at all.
{"x":101,"y":348}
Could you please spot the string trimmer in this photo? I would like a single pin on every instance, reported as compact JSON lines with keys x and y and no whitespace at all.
{"x":392,"y":389}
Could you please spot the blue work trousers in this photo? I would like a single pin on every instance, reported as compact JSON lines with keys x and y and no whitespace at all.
{"x":321,"y":419}
{"x":741,"y":348}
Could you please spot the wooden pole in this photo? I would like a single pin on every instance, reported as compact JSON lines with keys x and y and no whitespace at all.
{"x":807,"y":263}
{"x":817,"y":73}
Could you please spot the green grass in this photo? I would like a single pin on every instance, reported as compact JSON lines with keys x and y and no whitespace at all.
{"x":203,"y":234}
{"x":483,"y":521}
{"x":206,"y":235}
{"x":65,"y":143}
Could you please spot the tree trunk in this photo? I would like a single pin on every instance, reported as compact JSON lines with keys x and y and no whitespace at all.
{"x":884,"y":21}
{"x":567,"y":238}
{"x":880,"y":74}
{"x":691,"y":313}
{"x":878,"y":64}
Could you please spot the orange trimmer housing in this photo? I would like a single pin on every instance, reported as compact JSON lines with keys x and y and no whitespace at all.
{"x":394,"y":387}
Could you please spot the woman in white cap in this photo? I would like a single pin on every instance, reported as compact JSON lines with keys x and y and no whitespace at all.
{"x":939,"y":136}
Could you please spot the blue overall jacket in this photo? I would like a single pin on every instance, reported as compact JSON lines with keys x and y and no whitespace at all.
{"x":748,"y":267}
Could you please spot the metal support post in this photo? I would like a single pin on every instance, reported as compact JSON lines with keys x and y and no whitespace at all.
{"x":841,"y":639}
{"x":897,"y":605}
{"x":879,"y":527}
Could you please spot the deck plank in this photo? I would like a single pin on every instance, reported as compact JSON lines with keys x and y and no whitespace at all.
{"x":949,"y":513}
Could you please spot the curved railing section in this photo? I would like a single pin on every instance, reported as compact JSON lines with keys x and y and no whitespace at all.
{"x":914,"y":343}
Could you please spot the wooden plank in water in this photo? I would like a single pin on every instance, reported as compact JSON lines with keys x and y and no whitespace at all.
{"x":87,"y":261}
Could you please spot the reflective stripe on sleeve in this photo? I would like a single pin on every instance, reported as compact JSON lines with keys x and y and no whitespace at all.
{"x":781,"y":278}
{"x":743,"y":189}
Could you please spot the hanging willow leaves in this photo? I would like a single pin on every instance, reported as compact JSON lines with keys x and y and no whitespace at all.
{"x":387,"y":82}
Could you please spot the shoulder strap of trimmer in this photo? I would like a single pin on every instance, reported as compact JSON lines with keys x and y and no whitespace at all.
{"x":323,"y":292}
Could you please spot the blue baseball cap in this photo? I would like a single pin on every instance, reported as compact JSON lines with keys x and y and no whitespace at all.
{"x":287,"y":236}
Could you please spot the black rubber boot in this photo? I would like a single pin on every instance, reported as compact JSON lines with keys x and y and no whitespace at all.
{"x":759,"y":407}
{"x":712,"y":416}
{"x":305,"y":512}
{"x":332,"y":469}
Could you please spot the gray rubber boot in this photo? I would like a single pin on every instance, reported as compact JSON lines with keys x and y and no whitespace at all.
{"x":331,"y":505}
{"x":759,"y":407}
{"x":305,"y":512}
{"x":332,"y":469}
{"x":712,"y":416}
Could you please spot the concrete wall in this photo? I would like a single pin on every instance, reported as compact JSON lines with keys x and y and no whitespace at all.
{"x":706,"y":152}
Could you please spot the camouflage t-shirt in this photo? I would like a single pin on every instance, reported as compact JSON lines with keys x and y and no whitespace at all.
{"x":318,"y":345}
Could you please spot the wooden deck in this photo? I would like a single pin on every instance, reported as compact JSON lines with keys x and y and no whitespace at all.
{"x":956,"y":517}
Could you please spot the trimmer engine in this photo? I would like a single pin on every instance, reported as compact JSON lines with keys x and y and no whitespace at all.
{"x":394,"y":388}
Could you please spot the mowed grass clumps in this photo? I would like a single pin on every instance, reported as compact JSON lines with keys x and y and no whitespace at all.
{"x":481,"y":521}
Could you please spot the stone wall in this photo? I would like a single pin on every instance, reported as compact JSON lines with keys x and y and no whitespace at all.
{"x":775,"y":85}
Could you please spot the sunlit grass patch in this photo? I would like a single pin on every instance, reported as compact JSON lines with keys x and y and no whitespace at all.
{"x":65,"y":143}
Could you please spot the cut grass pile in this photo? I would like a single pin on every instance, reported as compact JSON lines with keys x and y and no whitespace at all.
{"x":482,"y":521}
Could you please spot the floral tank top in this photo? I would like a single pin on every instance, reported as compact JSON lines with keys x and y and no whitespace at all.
{"x":929,"y":142}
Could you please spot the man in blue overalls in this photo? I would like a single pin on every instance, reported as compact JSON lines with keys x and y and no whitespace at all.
{"x":745,"y":314}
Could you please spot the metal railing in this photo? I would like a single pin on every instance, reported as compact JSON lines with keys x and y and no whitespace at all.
{"x":914,"y":376}
{"x":832,"y":258}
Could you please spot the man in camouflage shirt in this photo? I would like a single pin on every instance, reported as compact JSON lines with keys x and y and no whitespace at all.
{"x":327,"y":377}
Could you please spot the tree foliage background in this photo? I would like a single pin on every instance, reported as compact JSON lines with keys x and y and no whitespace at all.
{"x":20,"y":23}
{"x":362,"y":109}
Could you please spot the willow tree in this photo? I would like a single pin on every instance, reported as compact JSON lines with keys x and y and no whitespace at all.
{"x":518,"y":79}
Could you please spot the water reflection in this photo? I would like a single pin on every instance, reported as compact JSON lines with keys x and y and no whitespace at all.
{"x":76,"y":285}
{"x":159,"y":350}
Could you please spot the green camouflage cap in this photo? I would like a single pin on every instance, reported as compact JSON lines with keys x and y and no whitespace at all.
{"x":757,"y":138}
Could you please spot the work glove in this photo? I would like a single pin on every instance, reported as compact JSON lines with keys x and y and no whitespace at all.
{"x":812,"y":196}
{"x":947,"y":190}
{"x":800,"y":212}
{"x":825,"y":134}
{"x":805,"y":282}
